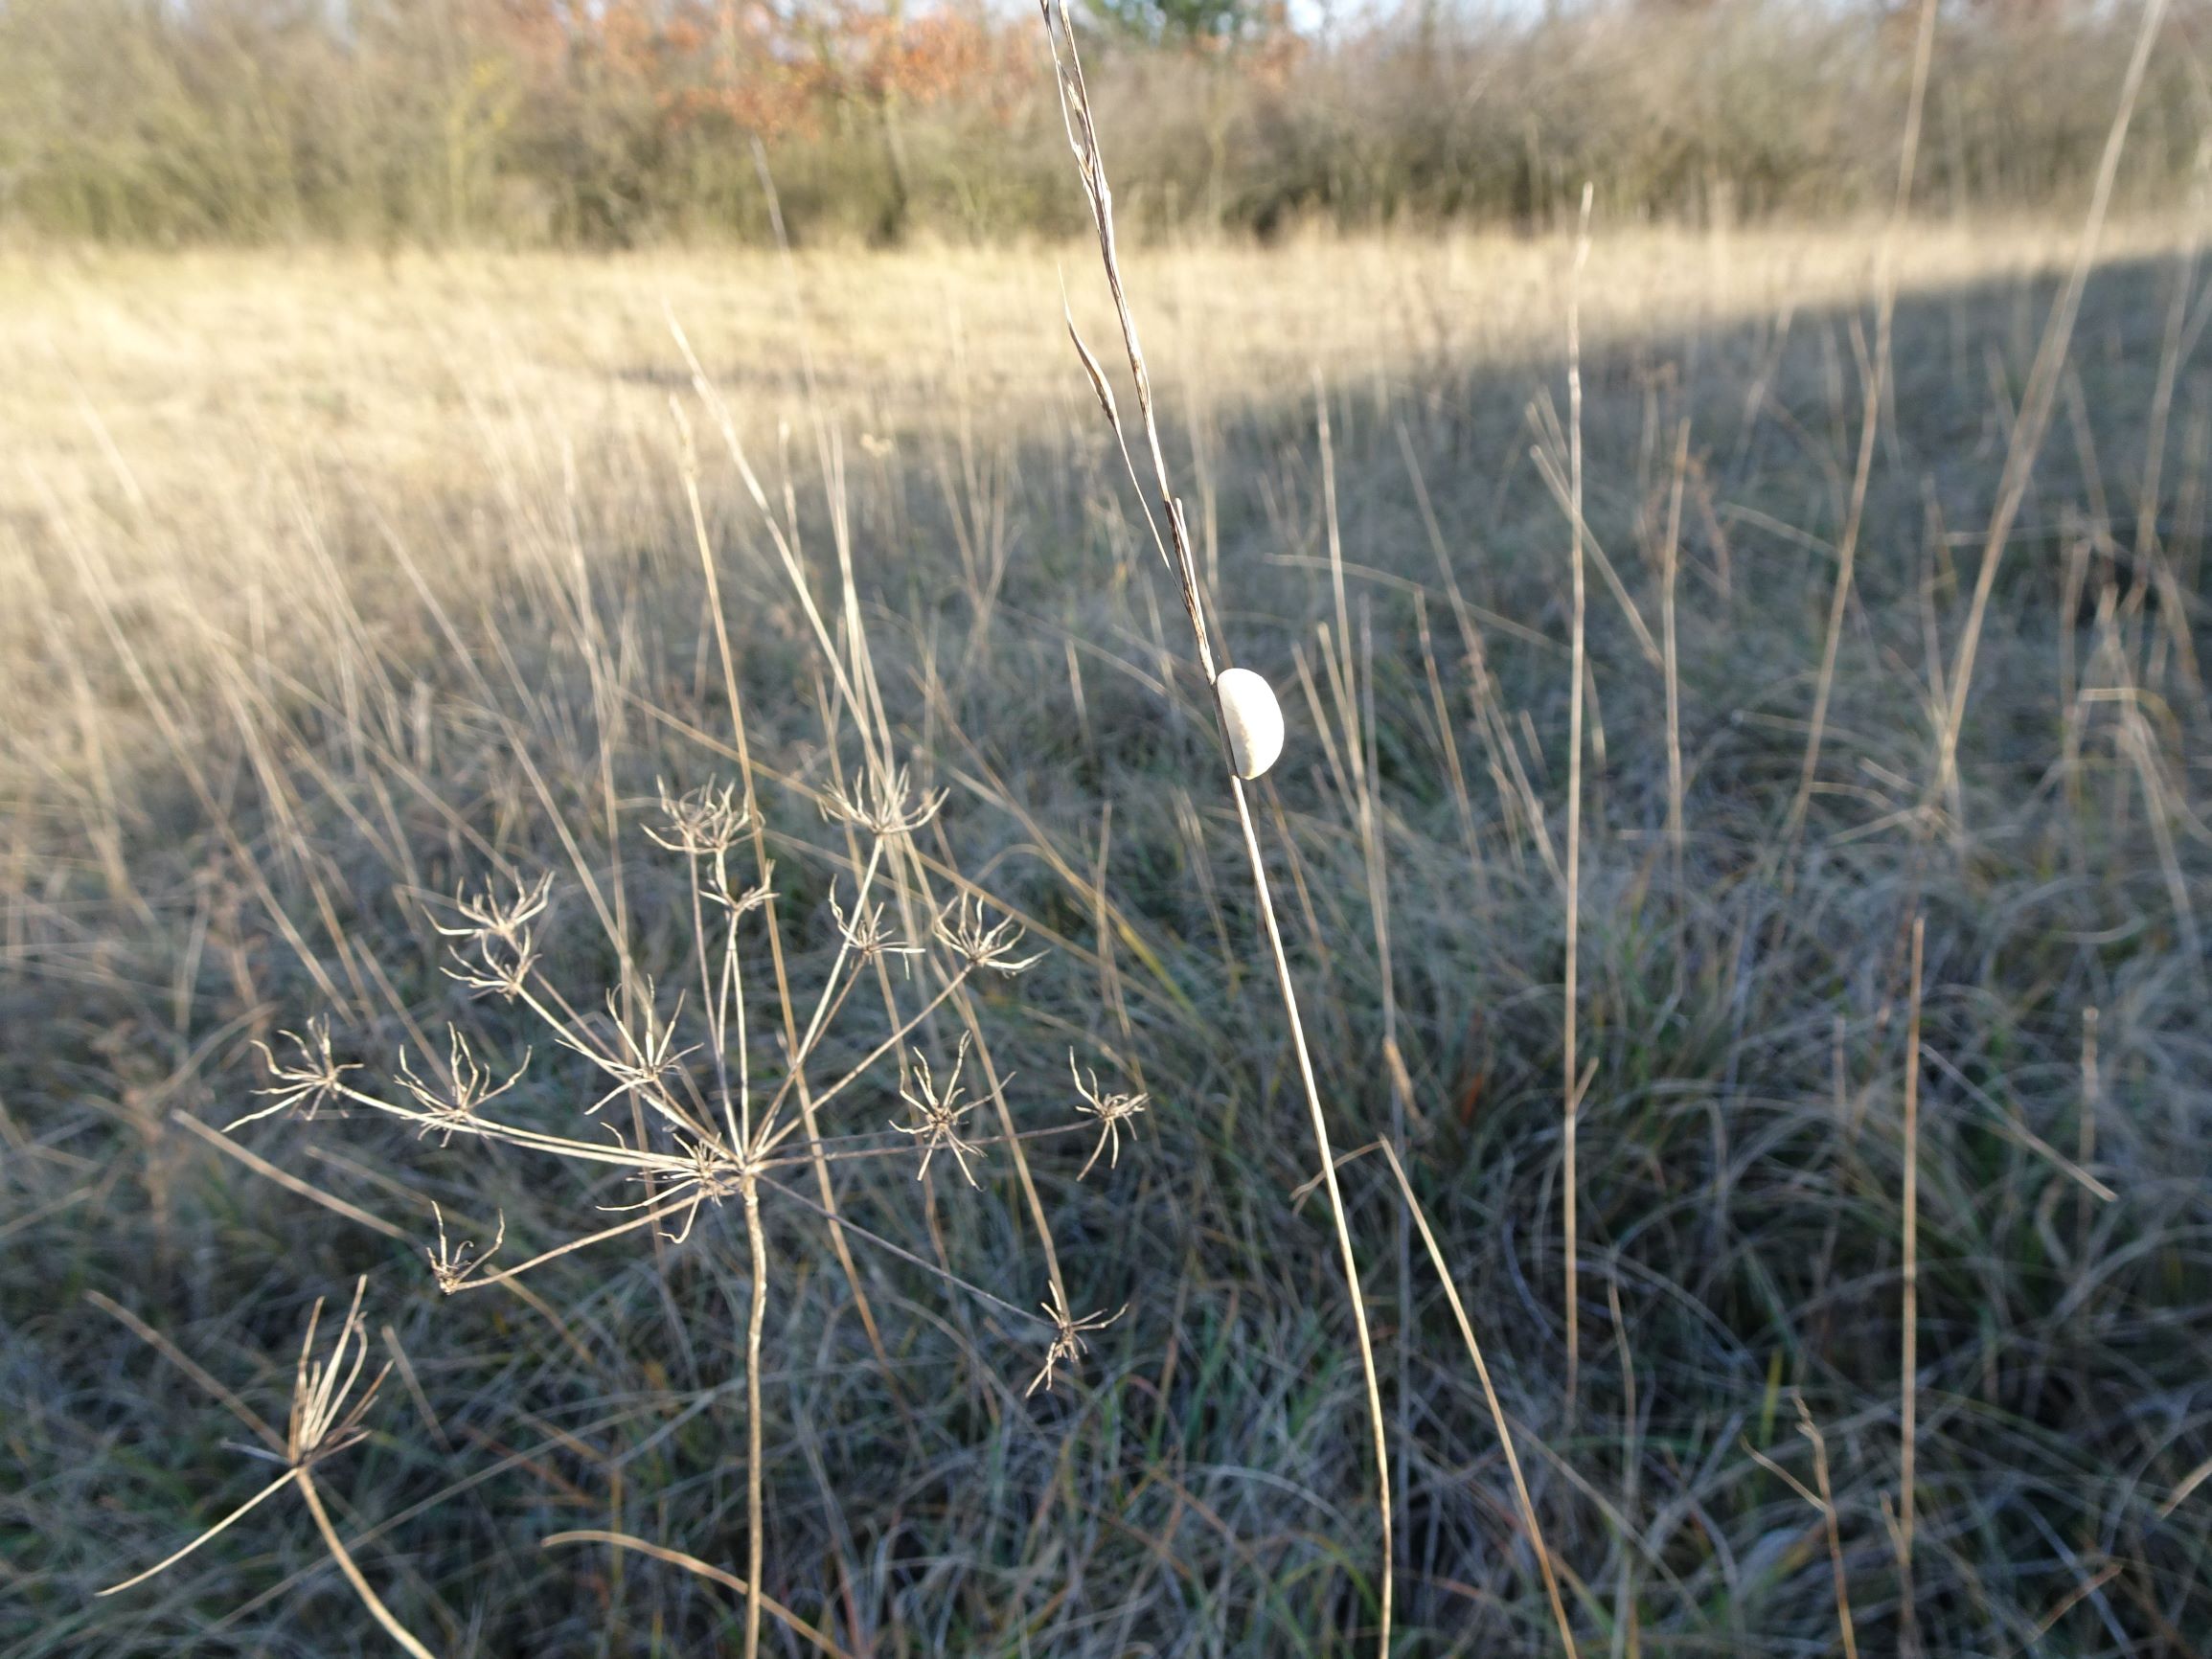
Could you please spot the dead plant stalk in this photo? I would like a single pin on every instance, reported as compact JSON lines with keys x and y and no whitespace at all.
{"x":1090,"y":166}
{"x":1570,"y":1102}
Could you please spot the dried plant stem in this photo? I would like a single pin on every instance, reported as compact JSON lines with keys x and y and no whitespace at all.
{"x":965,"y":1007}
{"x":1823,"y":1497}
{"x":1625,"y":1620}
{"x":1870,"y":420}
{"x":934,"y":1269}
{"x":1551,"y":1583}
{"x":789,"y":1620}
{"x":958,"y":978}
{"x":807,"y":1105}
{"x":347,"y":1566}
{"x":1371,"y":839}
{"x":1289,"y":993}
{"x":1909,"y":1314}
{"x":2085,"y":1134}
{"x":1671,"y":564}
{"x":1812,"y":1432}
{"x":690,"y":1202}
{"x":199,"y":1374}
{"x":1570,"y":1096}
{"x":244,"y":1509}
{"x":284,"y":1178}
{"x":1090,"y":166}
{"x":2034,"y":419}
{"x":756,"y":1240}
{"x":1447,"y":740}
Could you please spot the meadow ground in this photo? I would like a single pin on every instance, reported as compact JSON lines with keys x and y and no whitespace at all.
{"x":338,"y":586}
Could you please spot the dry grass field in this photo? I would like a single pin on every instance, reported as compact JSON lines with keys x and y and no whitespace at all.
{"x":348,"y":598}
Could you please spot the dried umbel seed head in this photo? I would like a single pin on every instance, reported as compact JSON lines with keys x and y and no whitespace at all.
{"x":702,"y":823}
{"x":1112,"y":1111}
{"x":865,"y":932}
{"x":1068,"y":1331}
{"x":960,"y":930}
{"x":882,"y":805}
{"x":449,"y":1108}
{"x":642,"y":1055}
{"x":938,"y":1113}
{"x":301,"y":1085}
{"x":452,"y":1266}
{"x":753,"y":897}
{"x":1252,"y":718}
{"x":507,"y":920}
{"x":498,"y":949}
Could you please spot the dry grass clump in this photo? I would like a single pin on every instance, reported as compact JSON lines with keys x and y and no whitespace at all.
{"x":639,"y":841}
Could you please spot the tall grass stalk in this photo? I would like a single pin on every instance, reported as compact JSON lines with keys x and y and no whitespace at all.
{"x":2085,"y":1134}
{"x":1671,"y":568}
{"x":2037,"y":403}
{"x":1821,"y":1495}
{"x":1570,"y":1091}
{"x":1909,"y":1314}
{"x":1497,"y":1416}
{"x":1877,"y":388}
{"x":1090,"y":168}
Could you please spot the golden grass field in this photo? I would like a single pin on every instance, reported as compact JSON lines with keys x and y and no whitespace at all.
{"x":341,"y":585}
{"x":210,"y":388}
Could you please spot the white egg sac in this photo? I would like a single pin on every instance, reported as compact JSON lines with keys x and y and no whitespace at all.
{"x":1253,"y":719}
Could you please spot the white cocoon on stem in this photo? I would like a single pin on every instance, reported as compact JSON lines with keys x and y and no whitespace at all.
{"x":1253,"y":719}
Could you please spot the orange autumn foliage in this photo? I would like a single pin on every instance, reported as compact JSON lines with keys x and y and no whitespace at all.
{"x":766,"y":71}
